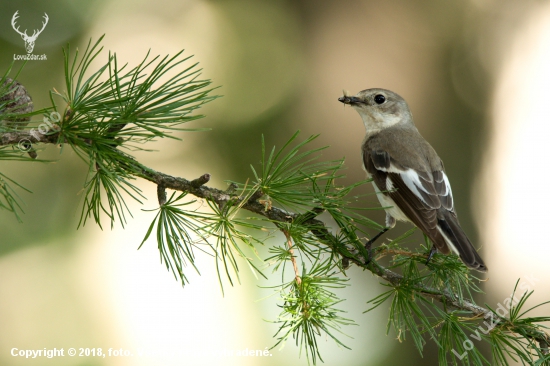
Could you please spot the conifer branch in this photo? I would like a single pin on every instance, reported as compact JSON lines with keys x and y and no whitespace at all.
{"x":198,"y":188}
{"x":319,"y":229}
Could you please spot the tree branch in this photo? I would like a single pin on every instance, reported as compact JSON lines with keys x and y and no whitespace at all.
{"x":317,"y":227}
{"x":34,"y":136}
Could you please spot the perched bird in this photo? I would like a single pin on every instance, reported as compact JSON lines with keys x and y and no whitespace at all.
{"x":408,"y":175}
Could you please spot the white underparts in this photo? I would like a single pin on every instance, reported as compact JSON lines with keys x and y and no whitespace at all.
{"x":390,"y":207}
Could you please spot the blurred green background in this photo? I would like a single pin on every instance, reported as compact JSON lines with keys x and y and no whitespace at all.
{"x":281,"y":66}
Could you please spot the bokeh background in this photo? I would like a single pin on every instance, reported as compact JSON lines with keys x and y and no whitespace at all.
{"x":476,"y":76}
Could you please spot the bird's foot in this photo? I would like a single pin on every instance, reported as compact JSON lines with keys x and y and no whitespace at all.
{"x":433,"y":250}
{"x":368,"y":245}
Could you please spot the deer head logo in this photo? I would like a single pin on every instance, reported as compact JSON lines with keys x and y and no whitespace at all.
{"x":29,"y":40}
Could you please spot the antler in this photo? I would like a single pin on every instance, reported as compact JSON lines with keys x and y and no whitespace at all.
{"x":13,"y":19}
{"x":35,"y":35}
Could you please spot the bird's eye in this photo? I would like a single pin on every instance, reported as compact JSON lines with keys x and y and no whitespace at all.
{"x":379,"y":99}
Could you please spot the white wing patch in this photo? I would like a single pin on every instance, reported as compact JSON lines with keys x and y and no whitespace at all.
{"x":448,"y":190}
{"x":413,"y":181}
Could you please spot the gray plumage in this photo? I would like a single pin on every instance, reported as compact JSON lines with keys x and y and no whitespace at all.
{"x":407,"y":173}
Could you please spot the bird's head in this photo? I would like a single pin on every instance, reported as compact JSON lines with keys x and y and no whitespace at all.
{"x":379,"y":108}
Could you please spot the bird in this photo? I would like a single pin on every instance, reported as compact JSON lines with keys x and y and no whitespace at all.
{"x":407,"y":174}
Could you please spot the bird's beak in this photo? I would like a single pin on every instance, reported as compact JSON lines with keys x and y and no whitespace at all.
{"x":349,"y":100}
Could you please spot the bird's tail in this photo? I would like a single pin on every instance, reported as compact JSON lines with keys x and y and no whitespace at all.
{"x":458,"y":242}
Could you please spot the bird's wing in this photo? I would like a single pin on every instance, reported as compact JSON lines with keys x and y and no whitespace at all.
{"x":418,"y":193}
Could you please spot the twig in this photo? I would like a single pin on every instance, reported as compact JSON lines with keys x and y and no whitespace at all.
{"x":200,"y":181}
{"x":383,"y":252}
{"x":161,"y":194}
{"x":292,"y":257}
